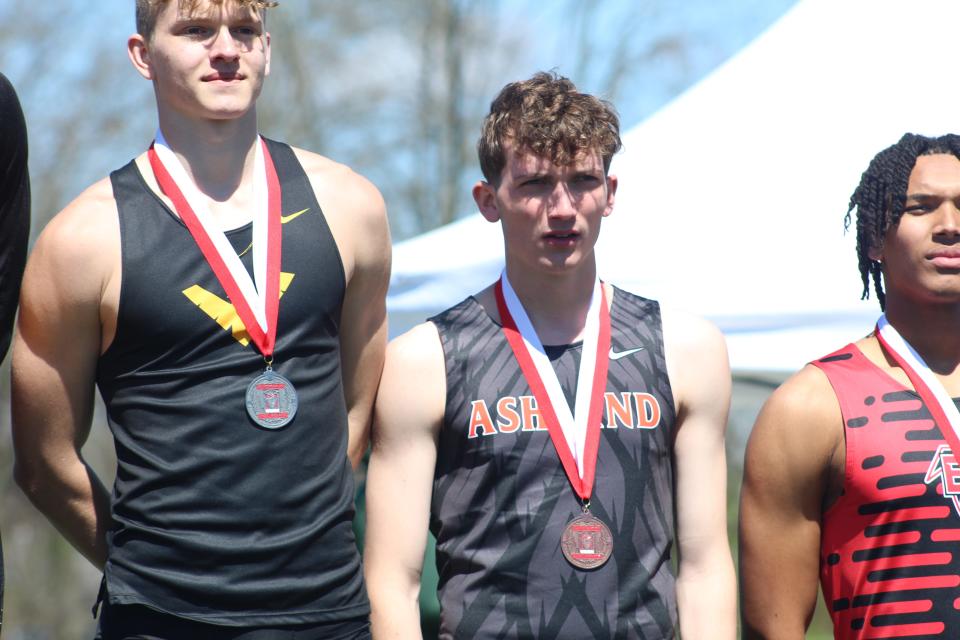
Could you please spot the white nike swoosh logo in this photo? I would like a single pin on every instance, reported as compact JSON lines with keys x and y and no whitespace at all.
{"x":616,"y":355}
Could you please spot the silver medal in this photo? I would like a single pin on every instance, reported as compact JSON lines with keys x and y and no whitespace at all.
{"x":271,"y":400}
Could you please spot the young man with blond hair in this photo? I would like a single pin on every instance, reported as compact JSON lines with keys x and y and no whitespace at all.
{"x":557,"y":434}
{"x":225,"y":293}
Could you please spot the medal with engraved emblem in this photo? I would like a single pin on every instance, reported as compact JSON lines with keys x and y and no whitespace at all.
{"x":271,"y":400}
{"x":586,"y":541}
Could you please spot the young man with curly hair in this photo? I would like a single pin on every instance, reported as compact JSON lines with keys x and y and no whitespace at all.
{"x":225,"y":293}
{"x":851,"y":475}
{"x":555,"y":433}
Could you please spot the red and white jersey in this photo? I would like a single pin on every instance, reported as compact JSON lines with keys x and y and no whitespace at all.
{"x":890,"y":545}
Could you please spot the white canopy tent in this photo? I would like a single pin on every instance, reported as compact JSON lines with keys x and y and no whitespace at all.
{"x":732,"y":197}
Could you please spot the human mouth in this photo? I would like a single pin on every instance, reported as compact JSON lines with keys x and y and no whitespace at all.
{"x":945,"y":258}
{"x":561,"y":238}
{"x":222,"y":76}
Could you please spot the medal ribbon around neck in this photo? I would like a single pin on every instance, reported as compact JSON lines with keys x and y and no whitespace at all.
{"x":926,"y":384}
{"x":257,"y":306}
{"x":580,"y":464}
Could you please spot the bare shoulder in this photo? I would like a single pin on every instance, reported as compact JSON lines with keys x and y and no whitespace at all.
{"x":697,"y":363}
{"x":340,"y":189}
{"x":689,"y":334}
{"x":355,"y":212}
{"x":80,"y":244}
{"x":806,"y":396}
{"x":417,"y":351}
{"x":412,"y":395}
{"x":799,"y":425}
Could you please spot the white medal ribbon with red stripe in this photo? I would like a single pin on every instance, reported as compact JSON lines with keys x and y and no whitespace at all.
{"x":925,"y":382}
{"x":575,"y":435}
{"x":255,"y":300}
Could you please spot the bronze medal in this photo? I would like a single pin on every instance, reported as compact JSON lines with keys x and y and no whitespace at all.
{"x":586,"y":542}
{"x":271,"y":400}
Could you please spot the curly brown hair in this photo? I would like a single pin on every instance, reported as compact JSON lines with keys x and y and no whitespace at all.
{"x":547,"y":116}
{"x":148,"y":10}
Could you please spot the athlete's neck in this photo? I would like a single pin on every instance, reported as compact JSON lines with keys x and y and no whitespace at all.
{"x":217,"y":154}
{"x":556,"y":305}
{"x":931,"y":329}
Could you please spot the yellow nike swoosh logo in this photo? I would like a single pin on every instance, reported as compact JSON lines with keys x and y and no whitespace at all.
{"x":286,"y":219}
{"x":283,"y":220}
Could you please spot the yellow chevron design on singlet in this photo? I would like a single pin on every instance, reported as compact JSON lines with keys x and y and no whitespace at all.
{"x":224,"y":313}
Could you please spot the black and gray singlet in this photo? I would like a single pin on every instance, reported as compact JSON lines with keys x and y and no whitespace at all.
{"x":501,"y":498}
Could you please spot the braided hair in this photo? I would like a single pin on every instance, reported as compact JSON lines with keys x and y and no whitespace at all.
{"x":881,"y":195}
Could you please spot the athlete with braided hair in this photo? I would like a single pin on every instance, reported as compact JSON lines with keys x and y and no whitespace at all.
{"x":851,"y":477}
{"x":557,"y":434}
{"x":880,"y":198}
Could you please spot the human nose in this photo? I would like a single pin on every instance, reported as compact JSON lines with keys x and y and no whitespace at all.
{"x":949,"y":223}
{"x":562,"y":203}
{"x":224,"y":45}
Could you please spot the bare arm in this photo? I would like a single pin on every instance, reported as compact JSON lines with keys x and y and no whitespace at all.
{"x":700,"y":376}
{"x":357,"y":217}
{"x":363,"y":334}
{"x":55,"y":355}
{"x":407,"y":419}
{"x":789,"y":458}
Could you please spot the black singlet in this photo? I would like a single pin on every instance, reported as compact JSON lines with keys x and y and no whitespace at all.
{"x":501,"y":498}
{"x":14,"y":207}
{"x":14,"y":219}
{"x":214,"y":518}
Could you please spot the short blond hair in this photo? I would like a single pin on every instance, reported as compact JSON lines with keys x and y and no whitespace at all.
{"x":148,"y":10}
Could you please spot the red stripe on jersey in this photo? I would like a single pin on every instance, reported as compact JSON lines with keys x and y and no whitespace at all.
{"x":945,"y":535}
{"x":905,"y":630}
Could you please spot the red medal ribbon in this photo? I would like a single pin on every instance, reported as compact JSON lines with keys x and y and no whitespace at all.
{"x":263,"y":337}
{"x":584,"y":486}
{"x":903,"y":355}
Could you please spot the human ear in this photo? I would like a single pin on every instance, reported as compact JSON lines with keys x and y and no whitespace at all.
{"x":266,"y":52}
{"x":485,"y":196}
{"x":611,"y":194}
{"x":139,"y":53}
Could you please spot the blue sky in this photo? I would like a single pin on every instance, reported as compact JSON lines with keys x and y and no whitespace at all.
{"x":687,"y":38}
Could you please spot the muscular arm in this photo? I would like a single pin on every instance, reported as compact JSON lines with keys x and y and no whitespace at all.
{"x":407,"y":418}
{"x":357,"y":217}
{"x":55,"y":355}
{"x":700,"y":376}
{"x":789,"y":459}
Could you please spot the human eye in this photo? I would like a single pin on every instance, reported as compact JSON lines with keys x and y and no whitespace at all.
{"x":586,"y":181}
{"x":196,"y":31}
{"x":919,"y":207}
{"x":532,"y":181}
{"x":246,"y":31}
